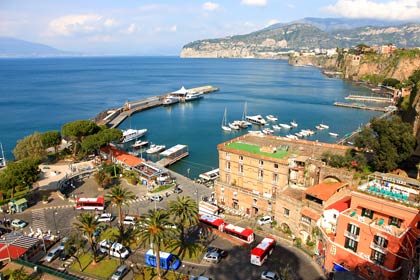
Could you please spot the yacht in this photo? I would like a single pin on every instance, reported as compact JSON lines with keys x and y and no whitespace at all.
{"x":258,"y":119}
{"x":155,"y":149}
{"x":234,"y":126}
{"x":333,"y":134}
{"x":193,"y":96}
{"x":285,"y":126}
{"x":291,"y":136}
{"x":276,"y":127}
{"x":324,"y":126}
{"x":170,"y":100}
{"x":139,"y":144}
{"x":271,"y":118}
{"x":267,"y":131}
{"x":241,"y":124}
{"x":132,"y":134}
{"x":294,"y":124}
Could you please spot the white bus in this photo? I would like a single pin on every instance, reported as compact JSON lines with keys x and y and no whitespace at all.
{"x":96,"y":203}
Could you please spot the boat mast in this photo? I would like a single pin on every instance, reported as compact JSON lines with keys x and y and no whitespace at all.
{"x":244,"y":112}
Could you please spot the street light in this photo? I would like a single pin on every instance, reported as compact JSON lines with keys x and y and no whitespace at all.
{"x":55,"y":223}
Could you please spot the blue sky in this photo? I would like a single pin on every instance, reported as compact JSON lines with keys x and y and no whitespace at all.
{"x":162,"y":27}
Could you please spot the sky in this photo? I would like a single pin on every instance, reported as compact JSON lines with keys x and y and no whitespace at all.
{"x":137,"y":27}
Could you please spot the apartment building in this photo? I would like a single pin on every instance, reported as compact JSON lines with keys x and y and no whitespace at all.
{"x":378,"y":233}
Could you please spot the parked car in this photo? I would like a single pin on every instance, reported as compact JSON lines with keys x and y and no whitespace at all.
{"x":156,"y":198}
{"x":199,"y":278}
{"x":115,"y":249}
{"x":129,"y":220}
{"x":265,"y":220}
{"x":4,"y":230}
{"x":177,"y":189}
{"x":269,"y":275}
{"x":119,"y":274}
{"x":19,"y":223}
{"x":63,"y":256}
{"x":54,"y":253}
{"x":212,"y":257}
{"x":221,"y":252}
{"x":104,"y":217}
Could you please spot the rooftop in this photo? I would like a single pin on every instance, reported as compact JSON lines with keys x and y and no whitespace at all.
{"x":325,"y":190}
{"x":340,"y":205}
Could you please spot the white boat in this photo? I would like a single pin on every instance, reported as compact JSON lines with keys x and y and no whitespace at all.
{"x":299,"y":134}
{"x":139,"y":144}
{"x":170,"y":100}
{"x":234,"y":126}
{"x":132,"y":134}
{"x":256,"y":132}
{"x":271,"y":118}
{"x":291,"y":136}
{"x":258,"y":119}
{"x":267,"y":131}
{"x":333,"y":134}
{"x":319,"y":127}
{"x":155,"y":149}
{"x":294,"y":124}
{"x":225,"y":126}
{"x":241,"y":124}
{"x":324,"y":126}
{"x":193,"y":96}
{"x":285,"y":126}
{"x":308,"y":131}
{"x":276,"y":127}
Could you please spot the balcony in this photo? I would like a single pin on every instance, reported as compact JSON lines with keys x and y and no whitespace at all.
{"x":378,"y":248}
{"x":351,"y":235}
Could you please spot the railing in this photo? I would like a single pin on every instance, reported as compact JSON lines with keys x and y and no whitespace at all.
{"x":378,"y":247}
{"x":351,"y":235}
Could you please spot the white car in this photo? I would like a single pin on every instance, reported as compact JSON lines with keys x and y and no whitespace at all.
{"x":269,"y":275}
{"x":18,"y":223}
{"x":265,"y":220}
{"x":156,"y":198}
{"x":104,"y":217}
{"x":212,"y":257}
{"x":129,"y":220}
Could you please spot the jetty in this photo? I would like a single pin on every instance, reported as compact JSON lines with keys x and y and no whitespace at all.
{"x":369,"y":98}
{"x":112,"y":118}
{"x":172,"y":155}
{"x":361,"y":106}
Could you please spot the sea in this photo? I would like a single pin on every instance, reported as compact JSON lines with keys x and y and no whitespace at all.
{"x":43,"y":94}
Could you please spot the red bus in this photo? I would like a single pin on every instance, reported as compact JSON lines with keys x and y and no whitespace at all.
{"x":245,"y":234}
{"x":261,"y":252}
{"x":212,"y":221}
{"x":95,"y":203}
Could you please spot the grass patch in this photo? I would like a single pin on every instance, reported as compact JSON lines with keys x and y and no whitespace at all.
{"x":148,"y":273}
{"x":163,"y":188}
{"x":104,"y":268}
{"x":85,"y":260}
{"x":255,"y":149}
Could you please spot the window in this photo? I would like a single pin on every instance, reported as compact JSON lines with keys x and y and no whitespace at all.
{"x":241,"y":169}
{"x":367,"y":213}
{"x":377,"y":257}
{"x":241,"y":158}
{"x":380,"y":241}
{"x":276,"y":166}
{"x":254,"y":202}
{"x":269,"y":206}
{"x":260,"y":174}
{"x":228,"y":166}
{"x":353,"y":229}
{"x":228,"y":178}
{"x":261,"y":163}
{"x":395,"y":221}
{"x":275,"y":178}
{"x":306,"y":220}
{"x":235,"y":195}
{"x":286,"y":212}
{"x":351,"y":244}
{"x":227,"y":156}
{"x":418,"y":225}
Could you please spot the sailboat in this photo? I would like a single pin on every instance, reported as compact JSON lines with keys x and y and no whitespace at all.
{"x":225,"y":127}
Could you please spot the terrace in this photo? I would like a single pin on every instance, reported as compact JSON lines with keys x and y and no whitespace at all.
{"x":255,"y":149}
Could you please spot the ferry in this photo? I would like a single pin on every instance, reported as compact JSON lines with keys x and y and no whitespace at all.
{"x":155,"y":149}
{"x":139,"y":144}
{"x":194,"y":96}
{"x":271,"y":118}
{"x":132,"y":134}
{"x":258,"y":120}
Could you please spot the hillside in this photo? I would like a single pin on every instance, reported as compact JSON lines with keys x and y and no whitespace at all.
{"x":11,"y":47}
{"x":276,"y":42}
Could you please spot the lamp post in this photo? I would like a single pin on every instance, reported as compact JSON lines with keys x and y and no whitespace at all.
{"x":55,"y":223}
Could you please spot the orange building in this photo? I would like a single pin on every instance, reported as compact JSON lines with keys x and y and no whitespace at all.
{"x":379,"y":231}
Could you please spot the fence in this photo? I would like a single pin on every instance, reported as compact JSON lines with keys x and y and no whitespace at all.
{"x":47,"y":270}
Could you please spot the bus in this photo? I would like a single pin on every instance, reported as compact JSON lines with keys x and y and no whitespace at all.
{"x":244,"y":234}
{"x":167,"y":260}
{"x":261,"y":252}
{"x":212,"y":221}
{"x":95,"y":203}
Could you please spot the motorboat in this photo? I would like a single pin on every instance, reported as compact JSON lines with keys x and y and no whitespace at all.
{"x":170,"y":100}
{"x":155,"y":149}
{"x":308,"y":132}
{"x":193,"y":96}
{"x":319,"y":127}
{"x":294,"y":124}
{"x":225,"y":126}
{"x":258,"y":120}
{"x":324,"y":126}
{"x":267,"y":131}
{"x":132,"y":134}
{"x":234,"y":126}
{"x":241,"y":124}
{"x":256,"y":132}
{"x":333,"y":134}
{"x":285,"y":126}
{"x":291,"y":136}
{"x":139,"y":144}
{"x":271,"y":118}
{"x":276,"y":127}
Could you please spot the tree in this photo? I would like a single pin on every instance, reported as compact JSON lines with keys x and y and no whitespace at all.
{"x":153,"y":230}
{"x":185,"y":213}
{"x":30,"y":146}
{"x":392,"y":82}
{"x":19,"y":274}
{"x":389,"y":142}
{"x":51,"y":139}
{"x":77,"y":130}
{"x":19,"y":174}
{"x":102,"y":178}
{"x":94,"y":142}
{"x":88,"y":224}
{"x":72,"y":247}
{"x":119,"y":196}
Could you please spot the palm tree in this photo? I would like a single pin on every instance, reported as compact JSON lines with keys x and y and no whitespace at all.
{"x":119,"y":196}
{"x":72,"y":247}
{"x":88,"y":224}
{"x":153,"y":230}
{"x":185,"y":213}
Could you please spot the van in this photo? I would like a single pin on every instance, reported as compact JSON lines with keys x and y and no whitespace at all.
{"x":54,"y":253}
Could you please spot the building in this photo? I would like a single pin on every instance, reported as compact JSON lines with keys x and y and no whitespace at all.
{"x":13,"y":246}
{"x":254,"y":168}
{"x":120,"y":157}
{"x":379,"y":230}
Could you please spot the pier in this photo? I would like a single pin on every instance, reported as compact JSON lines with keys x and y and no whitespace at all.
{"x":114,"y":117}
{"x":370,"y":98}
{"x":361,"y":106}
{"x":172,"y":155}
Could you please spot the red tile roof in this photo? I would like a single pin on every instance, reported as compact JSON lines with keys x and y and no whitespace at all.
{"x":310,"y":213}
{"x":122,"y":156}
{"x":340,"y":205}
{"x":324,"y":191}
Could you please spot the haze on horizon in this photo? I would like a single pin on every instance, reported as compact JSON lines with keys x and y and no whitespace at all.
{"x":162,"y":27}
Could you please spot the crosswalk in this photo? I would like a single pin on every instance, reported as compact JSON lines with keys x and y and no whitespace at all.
{"x":39,"y":220}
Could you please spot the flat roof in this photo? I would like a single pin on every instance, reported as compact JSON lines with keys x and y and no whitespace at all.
{"x":173,"y":150}
{"x":255,"y":149}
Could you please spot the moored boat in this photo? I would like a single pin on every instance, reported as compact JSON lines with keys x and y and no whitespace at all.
{"x":258,"y":119}
{"x":170,"y":100}
{"x":276,"y":127}
{"x":333,"y":134}
{"x":294,"y":124}
{"x":241,"y":124}
{"x":155,"y":149}
{"x":234,"y":126}
{"x":193,"y":96}
{"x":132,"y":134}
{"x":139,"y":144}
{"x":225,"y":126}
{"x":291,"y":136}
{"x":324,"y":126}
{"x":285,"y":126}
{"x":267,"y":131}
{"x":271,"y":118}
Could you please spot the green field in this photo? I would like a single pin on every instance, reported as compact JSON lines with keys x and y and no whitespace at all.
{"x":256,"y":150}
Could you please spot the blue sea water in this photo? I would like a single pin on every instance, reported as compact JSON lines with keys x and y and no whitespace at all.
{"x":43,"y":94}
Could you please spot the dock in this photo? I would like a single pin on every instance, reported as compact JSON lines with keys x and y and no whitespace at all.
{"x":114,"y":117}
{"x":360,"y":106}
{"x":369,"y":98}
{"x":172,"y":155}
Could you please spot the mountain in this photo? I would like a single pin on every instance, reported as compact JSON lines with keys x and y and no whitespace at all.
{"x":276,"y":41}
{"x":11,"y":47}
